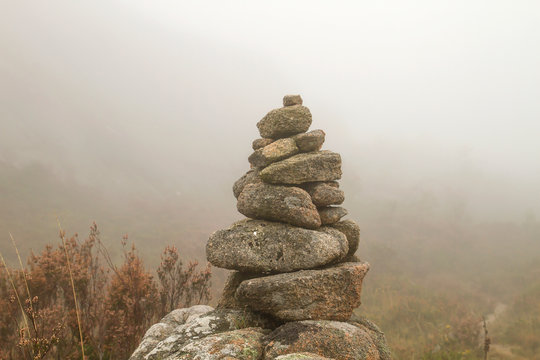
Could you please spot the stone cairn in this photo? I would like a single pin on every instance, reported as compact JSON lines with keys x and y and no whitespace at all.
{"x":296,"y":279}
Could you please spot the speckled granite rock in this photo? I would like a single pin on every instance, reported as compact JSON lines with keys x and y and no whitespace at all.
{"x":331,"y":214}
{"x":351,"y":231}
{"x":284,"y":122}
{"x":278,"y":150}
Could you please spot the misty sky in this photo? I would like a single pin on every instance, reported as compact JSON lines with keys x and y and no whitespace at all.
{"x":166,"y":94}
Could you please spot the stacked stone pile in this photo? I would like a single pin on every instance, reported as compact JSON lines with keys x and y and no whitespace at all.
{"x":296,"y":279}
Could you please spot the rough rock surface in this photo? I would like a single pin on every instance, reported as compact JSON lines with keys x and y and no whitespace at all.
{"x":301,"y":356}
{"x":202,"y":325}
{"x":290,"y":100}
{"x":310,"y":141}
{"x":228,"y":298}
{"x":278,"y":203}
{"x":351,"y":231}
{"x":302,"y":168}
{"x":285,"y":122}
{"x":259,"y":246}
{"x":260,"y":143}
{"x":330,"y":293}
{"x":332,"y":339}
{"x":324,"y":193}
{"x":278,"y":150}
{"x":376,"y":335}
{"x":165,"y":327}
{"x":251,"y":177}
{"x":331,"y":214}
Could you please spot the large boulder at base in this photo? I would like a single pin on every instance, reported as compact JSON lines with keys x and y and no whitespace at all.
{"x":165,"y":327}
{"x":332,"y":339}
{"x":310,"y":141}
{"x":301,"y":356}
{"x":301,"y":168}
{"x":329,"y":294}
{"x":351,"y":231}
{"x":202,"y":325}
{"x":259,"y":246}
{"x":331,"y":214}
{"x":324,"y":193}
{"x":244,"y":344}
{"x":290,"y":100}
{"x":284,"y":122}
{"x":279,"y":203}
{"x":251,"y":177}
{"x":260,"y":143}
{"x":278,"y":150}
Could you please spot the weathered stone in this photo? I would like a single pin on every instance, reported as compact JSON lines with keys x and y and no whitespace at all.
{"x":259,"y":246}
{"x":202,"y":325}
{"x":331,"y":214}
{"x":164,"y":328}
{"x":311,"y":141}
{"x":332,"y":339}
{"x":278,"y":150}
{"x":290,"y":100}
{"x":330,"y":293}
{"x":302,"y":168}
{"x":251,"y":177}
{"x":324,"y":193}
{"x":301,"y":356}
{"x":278,"y":203}
{"x":375,"y":333}
{"x":285,"y":122}
{"x":351,"y":231}
{"x":228,"y":296}
{"x":244,"y":344}
{"x":260,"y":143}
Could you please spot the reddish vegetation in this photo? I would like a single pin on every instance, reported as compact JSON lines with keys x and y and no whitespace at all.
{"x":116,"y":303}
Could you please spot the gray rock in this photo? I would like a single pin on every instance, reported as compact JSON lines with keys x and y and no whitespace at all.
{"x":228,"y":296}
{"x":278,"y":150}
{"x":302,"y":168}
{"x":311,"y":141}
{"x":278,"y":203}
{"x":202,"y":325}
{"x":260,"y":143}
{"x":165,"y":327}
{"x":244,"y":344}
{"x":351,"y":231}
{"x":330,"y":293}
{"x":290,"y":100}
{"x":324,"y":193}
{"x":375,"y":333}
{"x":251,"y":177}
{"x":331,"y":214}
{"x":331,"y":339}
{"x":301,"y":356}
{"x":259,"y":246}
{"x":285,"y":122}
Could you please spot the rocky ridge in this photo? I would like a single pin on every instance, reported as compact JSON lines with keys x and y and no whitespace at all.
{"x":297,"y":279}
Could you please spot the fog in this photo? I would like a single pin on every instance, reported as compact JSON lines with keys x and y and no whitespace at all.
{"x":157,"y":101}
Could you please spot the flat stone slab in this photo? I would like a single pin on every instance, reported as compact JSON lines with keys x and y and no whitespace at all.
{"x":351,"y":231}
{"x":310,"y":141}
{"x":278,"y":203}
{"x":302,"y":168}
{"x":324,"y":193}
{"x":285,"y":122}
{"x":275,"y":151}
{"x":331,"y":214}
{"x":331,"y":339}
{"x":329,"y":294}
{"x":259,"y":246}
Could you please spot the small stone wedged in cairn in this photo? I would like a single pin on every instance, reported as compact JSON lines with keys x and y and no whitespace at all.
{"x":310,"y":141}
{"x":262,"y":247}
{"x":324,"y":193}
{"x":228,"y":296}
{"x":331,"y":214}
{"x":325,"y":294}
{"x":278,"y":203}
{"x":251,"y":177}
{"x":278,"y":150}
{"x":290,"y":100}
{"x":260,"y":143}
{"x":285,"y":122}
{"x":351,"y":231}
{"x":301,"y":168}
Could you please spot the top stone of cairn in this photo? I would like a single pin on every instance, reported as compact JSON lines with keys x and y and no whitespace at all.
{"x":290,"y":100}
